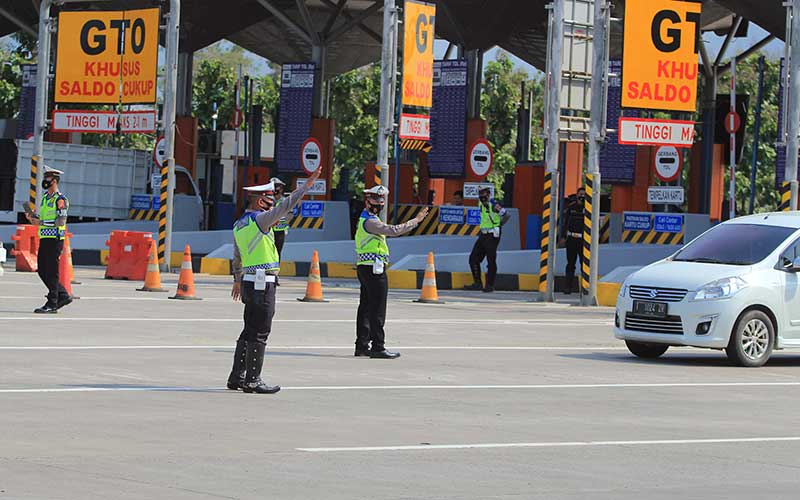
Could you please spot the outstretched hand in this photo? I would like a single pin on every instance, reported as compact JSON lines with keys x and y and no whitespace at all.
{"x":313,"y":177}
{"x":421,"y":216}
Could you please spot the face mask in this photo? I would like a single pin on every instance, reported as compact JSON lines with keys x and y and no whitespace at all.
{"x":484,"y":199}
{"x":46,"y":183}
{"x":374,"y":208}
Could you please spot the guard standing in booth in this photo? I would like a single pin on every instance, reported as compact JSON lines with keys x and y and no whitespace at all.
{"x":281,"y":229}
{"x":373,"y":258}
{"x":572,"y":232}
{"x":493,"y":218}
{"x":52,"y":224}
{"x":256,"y":265}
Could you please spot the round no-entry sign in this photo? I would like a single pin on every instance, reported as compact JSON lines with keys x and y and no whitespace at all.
{"x":732,"y":122}
{"x":480,"y":157}
{"x":160,"y":152}
{"x":668,"y":163}
{"x":311,"y":155}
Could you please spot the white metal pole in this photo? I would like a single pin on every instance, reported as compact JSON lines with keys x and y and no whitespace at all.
{"x":42,"y":90}
{"x":731,"y":120}
{"x":388,"y":79}
{"x":793,"y":104}
{"x":170,"y":95}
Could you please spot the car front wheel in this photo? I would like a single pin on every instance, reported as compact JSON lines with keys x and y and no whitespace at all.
{"x":752,"y":340}
{"x":646,"y":350}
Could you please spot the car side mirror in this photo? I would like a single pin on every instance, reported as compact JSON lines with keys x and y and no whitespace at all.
{"x":791,"y":266}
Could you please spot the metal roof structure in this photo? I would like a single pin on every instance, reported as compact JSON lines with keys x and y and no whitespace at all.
{"x":285,"y":30}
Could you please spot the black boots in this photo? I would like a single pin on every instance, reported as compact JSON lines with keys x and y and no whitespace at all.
{"x":254,"y":362}
{"x":46,"y":309}
{"x":236,"y":378}
{"x":475,"y":286}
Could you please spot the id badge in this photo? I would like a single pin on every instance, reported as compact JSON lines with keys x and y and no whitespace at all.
{"x":377,"y":266}
{"x":261,"y":280}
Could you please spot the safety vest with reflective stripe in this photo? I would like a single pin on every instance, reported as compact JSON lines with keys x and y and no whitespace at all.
{"x":370,"y":247}
{"x":256,"y":248}
{"x":283,"y":223}
{"x":48,"y":213}
{"x":489,"y":218}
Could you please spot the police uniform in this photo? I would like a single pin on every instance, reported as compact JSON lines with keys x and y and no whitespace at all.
{"x":572,"y":233}
{"x":256,"y":264}
{"x":281,"y":229}
{"x":493,"y":217}
{"x":372,"y":257}
{"x":52,"y":228}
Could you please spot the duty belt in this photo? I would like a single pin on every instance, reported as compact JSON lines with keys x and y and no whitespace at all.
{"x":575,"y":235}
{"x":270,"y":278}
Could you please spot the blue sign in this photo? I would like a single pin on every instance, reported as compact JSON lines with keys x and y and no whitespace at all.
{"x":474,"y":216}
{"x":312,"y":209}
{"x":447,"y":157}
{"x":145,"y":202}
{"x":637,"y":222}
{"x":27,"y":102}
{"x":668,"y":223}
{"x":156,"y":202}
{"x":294,"y":115}
{"x":617,"y":161}
{"x":451,"y":215}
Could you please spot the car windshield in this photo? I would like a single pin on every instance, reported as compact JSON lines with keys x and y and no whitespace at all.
{"x":737,"y":244}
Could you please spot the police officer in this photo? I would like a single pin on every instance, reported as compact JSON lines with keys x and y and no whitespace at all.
{"x":52,"y":223}
{"x":372,"y":255}
{"x":572,"y":232}
{"x":281,"y":229}
{"x":256,"y":264}
{"x":493,"y":217}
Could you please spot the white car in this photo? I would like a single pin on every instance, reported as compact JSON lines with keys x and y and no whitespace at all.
{"x":735,"y":287}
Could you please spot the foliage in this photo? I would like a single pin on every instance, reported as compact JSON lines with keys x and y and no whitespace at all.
{"x":11,"y":58}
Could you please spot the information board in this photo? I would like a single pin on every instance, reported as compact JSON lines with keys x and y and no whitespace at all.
{"x":312,"y":209}
{"x":668,"y":223}
{"x":637,"y":222}
{"x":294,"y":115}
{"x":474,"y":216}
{"x":27,"y":102}
{"x":448,"y":119}
{"x":617,"y":161}
{"x":451,"y":215}
{"x":780,"y":149}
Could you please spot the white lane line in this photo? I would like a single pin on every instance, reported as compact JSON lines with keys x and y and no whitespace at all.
{"x":313,"y":347}
{"x":431,"y":321}
{"x":557,"y":444}
{"x":321,"y":388}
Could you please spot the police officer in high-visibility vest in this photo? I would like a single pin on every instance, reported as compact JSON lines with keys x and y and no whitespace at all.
{"x":256,"y":264}
{"x":52,"y":223}
{"x":493,"y":217}
{"x":281,"y":229}
{"x":372,"y":255}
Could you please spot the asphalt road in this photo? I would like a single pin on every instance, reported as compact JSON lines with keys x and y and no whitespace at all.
{"x":121,"y":396}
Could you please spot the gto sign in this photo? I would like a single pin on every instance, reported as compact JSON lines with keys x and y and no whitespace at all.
{"x":659,"y":63}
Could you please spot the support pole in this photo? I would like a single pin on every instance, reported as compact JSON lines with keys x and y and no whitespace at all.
{"x":793,"y":106}
{"x":388,"y":87}
{"x":732,"y":180}
{"x":756,"y":134}
{"x":597,"y":132}
{"x":318,"y":55}
{"x":168,"y":118}
{"x":43,"y":82}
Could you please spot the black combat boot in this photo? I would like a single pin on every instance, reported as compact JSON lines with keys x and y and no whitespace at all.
{"x":254,"y":362}
{"x":236,"y":378}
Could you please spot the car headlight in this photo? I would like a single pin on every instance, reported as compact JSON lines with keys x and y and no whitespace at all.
{"x":623,"y":290}
{"x":720,"y":289}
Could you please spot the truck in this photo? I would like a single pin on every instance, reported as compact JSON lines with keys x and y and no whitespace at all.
{"x":99,"y":182}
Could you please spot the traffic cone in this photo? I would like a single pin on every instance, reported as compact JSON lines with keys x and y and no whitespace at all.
{"x":152,"y":280}
{"x":186,"y":279}
{"x":314,"y":287}
{"x":68,"y":251}
{"x":63,"y":274}
{"x":429,"y":293}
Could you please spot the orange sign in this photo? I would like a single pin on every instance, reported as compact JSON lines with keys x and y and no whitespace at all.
{"x":419,"y":33}
{"x":660,"y":56}
{"x":107,"y":57}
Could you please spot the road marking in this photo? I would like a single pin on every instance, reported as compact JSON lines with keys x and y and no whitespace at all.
{"x":320,"y":388}
{"x":313,"y":347}
{"x":432,"y":321}
{"x":556,"y":444}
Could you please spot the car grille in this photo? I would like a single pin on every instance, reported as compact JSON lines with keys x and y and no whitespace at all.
{"x":658,"y":294}
{"x":669,"y":324}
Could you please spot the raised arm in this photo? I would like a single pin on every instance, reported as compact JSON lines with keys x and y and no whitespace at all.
{"x":375,"y":226}
{"x":269,"y":218}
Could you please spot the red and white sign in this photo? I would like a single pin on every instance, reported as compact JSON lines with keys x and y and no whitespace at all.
{"x":668,"y":163}
{"x":415,"y":127}
{"x":311,"y":155}
{"x":732,"y":122}
{"x":160,"y":152}
{"x":480,"y":157}
{"x":654,"y":132}
{"x":104,"y":122}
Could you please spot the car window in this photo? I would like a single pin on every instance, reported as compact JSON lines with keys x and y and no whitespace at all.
{"x":791,"y":253}
{"x":738,"y":244}
{"x":183,"y":184}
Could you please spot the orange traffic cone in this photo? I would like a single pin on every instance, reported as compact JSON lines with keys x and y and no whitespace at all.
{"x":63,"y":274}
{"x":186,"y":279}
{"x":68,"y":251}
{"x":152,"y":280}
{"x":429,"y":293}
{"x":314,"y":287}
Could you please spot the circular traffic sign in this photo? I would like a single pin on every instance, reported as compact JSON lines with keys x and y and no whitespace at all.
{"x":732,"y":122}
{"x":668,"y":163}
{"x":480,"y":157}
{"x":160,"y":151}
{"x":311,"y":155}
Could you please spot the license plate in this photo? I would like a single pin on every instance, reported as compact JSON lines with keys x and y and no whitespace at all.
{"x":652,"y":309}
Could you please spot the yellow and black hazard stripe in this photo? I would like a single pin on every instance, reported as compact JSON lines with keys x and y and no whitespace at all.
{"x":378,"y":175}
{"x":415,"y":145}
{"x":162,"y":214}
{"x":652,"y":237}
{"x":142,"y":214}
{"x":408,"y":212}
{"x":587,"y":233}
{"x":785,"y":190}
{"x":299,"y":222}
{"x":548,"y":185}
{"x":32,"y":192}
{"x":459,"y":229}
{"x":605,"y":229}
